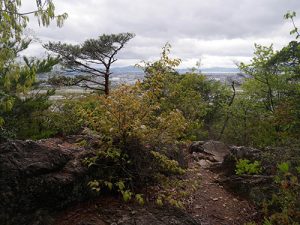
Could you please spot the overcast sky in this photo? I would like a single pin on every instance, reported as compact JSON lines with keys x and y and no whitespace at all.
{"x":219,"y":32}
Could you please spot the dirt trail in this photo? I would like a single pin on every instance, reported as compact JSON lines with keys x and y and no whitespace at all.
{"x":212,"y":204}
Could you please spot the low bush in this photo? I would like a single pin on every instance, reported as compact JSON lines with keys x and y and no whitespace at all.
{"x":138,"y":141}
{"x":244,"y":166}
{"x":283,"y":208}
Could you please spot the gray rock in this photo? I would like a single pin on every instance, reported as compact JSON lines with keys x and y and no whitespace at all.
{"x":38,"y":179}
{"x":35,"y":176}
{"x":215,"y":151}
{"x":196,"y":146}
{"x":242,"y":152}
{"x":228,"y":165}
{"x":257,"y":186}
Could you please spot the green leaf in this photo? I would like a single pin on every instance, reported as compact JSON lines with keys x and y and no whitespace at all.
{"x":283,"y":167}
{"x":139,"y":198}
{"x":109,"y":185}
{"x":126,"y":195}
{"x":120,"y":185}
{"x":159,"y":202}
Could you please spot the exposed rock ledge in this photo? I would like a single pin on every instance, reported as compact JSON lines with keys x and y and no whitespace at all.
{"x":222,"y":159}
{"x":39,"y":178}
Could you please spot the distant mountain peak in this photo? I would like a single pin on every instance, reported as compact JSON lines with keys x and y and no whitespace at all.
{"x":134,"y":69}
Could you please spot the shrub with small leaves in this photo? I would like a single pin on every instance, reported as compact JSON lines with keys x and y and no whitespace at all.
{"x":284,"y":206}
{"x":137,"y":140}
{"x":245,"y":167}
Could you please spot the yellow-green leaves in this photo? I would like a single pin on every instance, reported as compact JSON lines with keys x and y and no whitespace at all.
{"x":135,"y":135}
{"x":108,"y":184}
{"x":17,"y":79}
{"x":126,"y":195}
{"x":6,"y":103}
{"x":95,"y":185}
{"x":46,"y":14}
{"x":1,"y":121}
{"x":159,"y":202}
{"x":166,"y":164}
{"x":139,"y":198}
{"x":120,"y":184}
{"x":245,"y":167}
{"x":132,"y":112}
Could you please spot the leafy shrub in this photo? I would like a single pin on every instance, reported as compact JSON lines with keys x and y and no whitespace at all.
{"x":63,"y":117}
{"x":201,"y":101}
{"x":283,"y":208}
{"x":244,"y":166}
{"x":36,"y":117}
{"x":137,"y":140}
{"x":26,"y":117}
{"x":167,"y":165}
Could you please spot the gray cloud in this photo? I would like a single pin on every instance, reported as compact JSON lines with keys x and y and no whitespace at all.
{"x":212,"y":29}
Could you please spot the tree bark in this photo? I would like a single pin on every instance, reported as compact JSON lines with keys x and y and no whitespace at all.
{"x":106,"y":84}
{"x":227,"y":116}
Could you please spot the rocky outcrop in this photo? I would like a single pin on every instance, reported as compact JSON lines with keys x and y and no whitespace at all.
{"x":37,"y":177}
{"x":224,"y":157}
{"x":196,"y":146}
{"x":209,"y":153}
{"x":254,"y":186}
{"x":221,"y":158}
{"x":236,"y":153}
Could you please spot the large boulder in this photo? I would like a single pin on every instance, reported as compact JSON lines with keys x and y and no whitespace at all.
{"x":39,"y":177}
{"x":221,"y":158}
{"x":228,"y":165}
{"x":196,"y":146}
{"x":217,"y":149}
{"x":210,"y":151}
{"x":255,"y":186}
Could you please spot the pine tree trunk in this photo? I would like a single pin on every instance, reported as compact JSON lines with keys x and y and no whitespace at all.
{"x":106,"y":84}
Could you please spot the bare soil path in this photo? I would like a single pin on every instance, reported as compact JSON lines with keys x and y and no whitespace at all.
{"x":212,"y":204}
{"x":209,"y":204}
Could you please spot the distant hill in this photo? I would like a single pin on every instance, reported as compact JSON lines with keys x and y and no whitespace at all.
{"x":135,"y":70}
{"x":220,"y":70}
{"x":127,"y":70}
{"x":130,"y":74}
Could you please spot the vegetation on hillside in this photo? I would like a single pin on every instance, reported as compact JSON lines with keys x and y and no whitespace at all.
{"x":142,"y":128}
{"x":17,"y":79}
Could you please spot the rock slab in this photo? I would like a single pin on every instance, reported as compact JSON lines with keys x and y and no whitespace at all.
{"x":36,"y":177}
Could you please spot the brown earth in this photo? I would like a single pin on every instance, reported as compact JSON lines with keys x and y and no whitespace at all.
{"x":52,"y":173}
{"x":108,"y":210}
{"x":210,"y":204}
{"x":214,"y":205}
